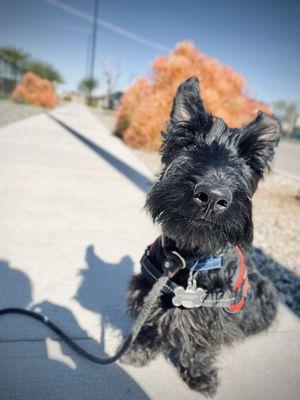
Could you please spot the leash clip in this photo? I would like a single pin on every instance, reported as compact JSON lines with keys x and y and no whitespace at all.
{"x":171,"y":266}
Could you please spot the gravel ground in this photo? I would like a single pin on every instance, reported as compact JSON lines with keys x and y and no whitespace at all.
{"x":12,"y":112}
{"x":276,"y":214}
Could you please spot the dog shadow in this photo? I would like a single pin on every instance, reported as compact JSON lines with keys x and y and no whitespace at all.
{"x":285,"y":281}
{"x":103,"y":291}
{"x":70,"y":376}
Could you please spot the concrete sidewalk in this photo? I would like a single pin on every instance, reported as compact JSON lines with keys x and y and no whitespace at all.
{"x":73,"y":230}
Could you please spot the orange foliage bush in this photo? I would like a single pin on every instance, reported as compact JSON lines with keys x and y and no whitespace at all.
{"x":145,"y":107}
{"x":129,"y":102}
{"x":35,"y":91}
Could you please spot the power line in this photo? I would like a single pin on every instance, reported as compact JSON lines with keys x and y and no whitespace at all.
{"x":108,"y":25}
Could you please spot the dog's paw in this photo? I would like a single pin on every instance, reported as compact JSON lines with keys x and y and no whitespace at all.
{"x":206,"y":384}
{"x":134,"y":358}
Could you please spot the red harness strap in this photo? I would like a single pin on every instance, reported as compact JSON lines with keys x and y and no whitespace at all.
{"x":152,"y":245}
{"x":242,"y":280}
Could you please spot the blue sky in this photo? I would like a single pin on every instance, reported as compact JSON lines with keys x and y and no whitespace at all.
{"x":260,"y":39}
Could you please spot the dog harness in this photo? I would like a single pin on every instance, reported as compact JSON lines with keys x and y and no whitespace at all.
{"x":172,"y":261}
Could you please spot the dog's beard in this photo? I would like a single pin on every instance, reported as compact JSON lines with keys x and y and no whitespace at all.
{"x":182,"y":221}
{"x":206,"y":239}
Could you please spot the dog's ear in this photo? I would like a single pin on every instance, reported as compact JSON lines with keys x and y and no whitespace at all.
{"x":187,"y":115}
{"x":257,"y":142}
{"x":187,"y":103}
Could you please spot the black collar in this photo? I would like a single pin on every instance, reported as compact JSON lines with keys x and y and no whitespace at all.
{"x":162,"y":257}
{"x":172,"y":260}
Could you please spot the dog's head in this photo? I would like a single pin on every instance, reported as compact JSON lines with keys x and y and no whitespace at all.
{"x":210,"y":173}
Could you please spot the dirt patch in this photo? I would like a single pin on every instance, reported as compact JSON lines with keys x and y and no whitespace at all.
{"x":276,"y":213}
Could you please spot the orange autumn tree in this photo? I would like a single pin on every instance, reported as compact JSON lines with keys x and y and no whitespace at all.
{"x":145,"y":107}
{"x":35,"y":91}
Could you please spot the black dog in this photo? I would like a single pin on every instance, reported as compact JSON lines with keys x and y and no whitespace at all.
{"x":203,"y":202}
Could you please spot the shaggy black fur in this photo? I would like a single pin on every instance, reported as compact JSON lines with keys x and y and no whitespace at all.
{"x":201,"y":149}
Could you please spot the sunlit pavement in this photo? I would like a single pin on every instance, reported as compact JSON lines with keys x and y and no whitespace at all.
{"x":72,"y":232}
{"x":287,"y":157}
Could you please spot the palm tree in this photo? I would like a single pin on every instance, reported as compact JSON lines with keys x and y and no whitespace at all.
{"x":87,"y":86}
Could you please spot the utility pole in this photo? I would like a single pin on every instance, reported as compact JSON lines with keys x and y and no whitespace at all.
{"x":88,"y":52}
{"x":94,"y":39}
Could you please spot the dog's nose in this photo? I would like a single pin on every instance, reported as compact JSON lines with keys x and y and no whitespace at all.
{"x":216,"y":198}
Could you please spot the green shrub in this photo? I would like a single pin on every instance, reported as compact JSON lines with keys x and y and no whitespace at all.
{"x":67,"y":98}
{"x":92,"y":102}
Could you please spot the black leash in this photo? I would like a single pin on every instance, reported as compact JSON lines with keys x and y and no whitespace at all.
{"x":149,"y":303}
{"x":63,"y":336}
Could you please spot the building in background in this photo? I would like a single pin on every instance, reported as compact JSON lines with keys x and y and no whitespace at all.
{"x":110,"y":102}
{"x":10,"y":75}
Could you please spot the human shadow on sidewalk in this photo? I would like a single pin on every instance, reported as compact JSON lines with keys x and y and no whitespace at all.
{"x":285,"y":281}
{"x":136,"y":177}
{"x":29,"y":370}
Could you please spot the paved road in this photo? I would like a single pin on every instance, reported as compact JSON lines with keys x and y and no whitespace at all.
{"x":72,"y":232}
{"x":287,"y":158}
